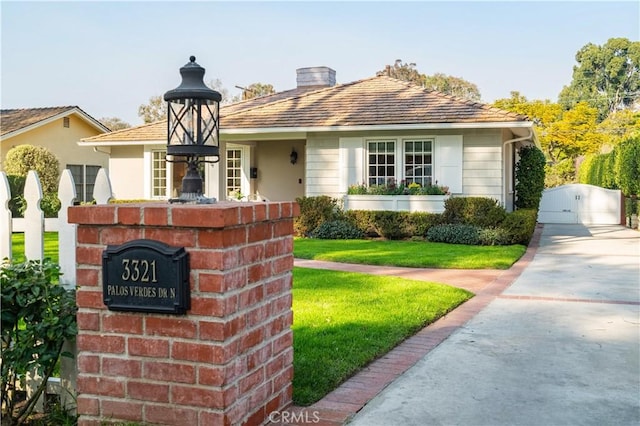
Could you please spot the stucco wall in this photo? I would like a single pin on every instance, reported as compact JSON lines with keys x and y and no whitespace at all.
{"x":61,"y":141}
{"x":126,"y":172}
{"x":278,"y":179}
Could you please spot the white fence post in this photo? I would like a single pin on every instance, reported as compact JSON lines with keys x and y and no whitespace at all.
{"x":102,"y":189}
{"x":67,"y":232}
{"x":34,"y":218}
{"x":6,"y":228}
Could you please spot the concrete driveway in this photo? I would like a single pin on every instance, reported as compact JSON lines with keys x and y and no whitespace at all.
{"x":561,"y":346}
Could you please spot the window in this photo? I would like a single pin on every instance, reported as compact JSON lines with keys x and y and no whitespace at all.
{"x":65,"y":122}
{"x":418,"y":161}
{"x":234,"y":171}
{"x":159,"y":173}
{"x":382,"y":161}
{"x":84,"y":177}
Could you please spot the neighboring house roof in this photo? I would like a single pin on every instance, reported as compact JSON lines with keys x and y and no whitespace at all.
{"x":16,"y":121}
{"x":372,"y":103}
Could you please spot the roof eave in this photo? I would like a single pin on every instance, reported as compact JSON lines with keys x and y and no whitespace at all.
{"x":418,"y":126}
{"x":83,"y":115}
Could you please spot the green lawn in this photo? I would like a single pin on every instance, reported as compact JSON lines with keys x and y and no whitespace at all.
{"x":50,"y":246}
{"x":414,"y":254}
{"x":343,"y":320}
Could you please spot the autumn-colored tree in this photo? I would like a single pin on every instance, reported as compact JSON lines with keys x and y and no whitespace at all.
{"x":607,"y":77}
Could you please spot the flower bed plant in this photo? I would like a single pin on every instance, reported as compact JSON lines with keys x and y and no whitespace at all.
{"x":393,"y":188}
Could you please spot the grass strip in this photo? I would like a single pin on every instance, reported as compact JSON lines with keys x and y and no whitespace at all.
{"x":343,"y":321}
{"x":50,"y":246}
{"x":413,"y":254}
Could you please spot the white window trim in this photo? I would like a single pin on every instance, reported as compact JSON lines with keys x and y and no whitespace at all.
{"x":245,"y":162}
{"x":147,"y":172}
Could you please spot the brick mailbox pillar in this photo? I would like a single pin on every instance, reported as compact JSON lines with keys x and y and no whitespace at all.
{"x":229,"y":359}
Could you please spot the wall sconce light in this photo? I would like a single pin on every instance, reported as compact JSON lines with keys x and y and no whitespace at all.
{"x":293,"y":156}
{"x":193,"y":111}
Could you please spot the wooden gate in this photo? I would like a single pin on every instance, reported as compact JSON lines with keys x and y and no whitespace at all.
{"x":580,"y":203}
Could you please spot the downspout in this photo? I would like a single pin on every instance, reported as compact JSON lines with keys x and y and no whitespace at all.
{"x":529,"y":137}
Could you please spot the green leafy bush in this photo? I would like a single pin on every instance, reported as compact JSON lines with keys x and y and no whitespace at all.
{"x":337,"y":230}
{"x":454,"y":233}
{"x":520,"y":225}
{"x":391,"y":224}
{"x":313,"y":212}
{"x":494,"y":237}
{"x":22,"y":158}
{"x":479,"y":211}
{"x":418,"y":223}
{"x":38,"y":315}
{"x":529,"y":177}
{"x":627,"y":166}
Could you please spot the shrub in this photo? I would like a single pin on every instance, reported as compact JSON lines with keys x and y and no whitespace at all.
{"x":529,"y":177}
{"x":37,"y":317}
{"x":22,"y":158}
{"x":391,"y":224}
{"x":454,"y":233}
{"x":494,"y":237}
{"x":418,"y":223}
{"x":313,"y":212}
{"x":479,"y":211}
{"x":627,"y":166}
{"x":363,"y":220}
{"x":520,"y":225}
{"x":337,"y":230}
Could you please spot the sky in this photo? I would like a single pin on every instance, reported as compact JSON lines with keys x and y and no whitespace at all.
{"x":110,"y":57}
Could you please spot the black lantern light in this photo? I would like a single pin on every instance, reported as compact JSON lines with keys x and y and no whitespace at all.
{"x":193,"y":129}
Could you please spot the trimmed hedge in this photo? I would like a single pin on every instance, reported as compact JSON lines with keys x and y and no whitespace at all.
{"x":314,"y":211}
{"x":466,"y":220}
{"x":618,"y":169}
{"x":478,"y":211}
{"x":337,"y":230}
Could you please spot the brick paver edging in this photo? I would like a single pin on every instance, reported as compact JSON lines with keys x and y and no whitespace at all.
{"x":349,"y":398}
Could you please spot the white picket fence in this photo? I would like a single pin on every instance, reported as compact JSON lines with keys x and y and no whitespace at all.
{"x":33,"y":226}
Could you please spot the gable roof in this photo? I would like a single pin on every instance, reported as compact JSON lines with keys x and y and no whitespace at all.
{"x":373,"y":103}
{"x":16,"y":121}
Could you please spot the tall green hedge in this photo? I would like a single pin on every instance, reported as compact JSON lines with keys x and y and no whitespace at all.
{"x":619,"y":169}
{"x":529,"y":177}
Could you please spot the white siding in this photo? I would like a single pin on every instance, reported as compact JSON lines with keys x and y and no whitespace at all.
{"x":323,"y":174}
{"x":482,"y":171}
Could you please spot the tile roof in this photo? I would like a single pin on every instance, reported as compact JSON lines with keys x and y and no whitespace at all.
{"x":16,"y":119}
{"x":376,"y":101}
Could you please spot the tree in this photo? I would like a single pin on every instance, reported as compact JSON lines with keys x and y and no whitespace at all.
{"x":403,"y":71}
{"x":607,"y":77}
{"x":619,"y":125}
{"x":450,"y":85}
{"x":256,"y":90}
{"x":447,"y":84}
{"x":114,"y":123}
{"x":22,"y":158}
{"x":155,"y":110}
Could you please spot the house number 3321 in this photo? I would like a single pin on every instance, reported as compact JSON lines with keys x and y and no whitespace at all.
{"x":139,"y":270}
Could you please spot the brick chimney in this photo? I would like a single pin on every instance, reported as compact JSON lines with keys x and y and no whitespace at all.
{"x":315,"y":77}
